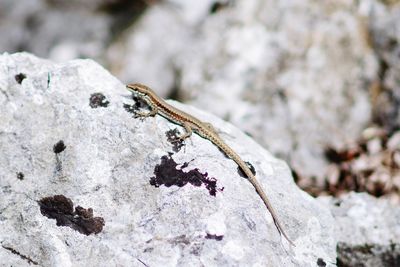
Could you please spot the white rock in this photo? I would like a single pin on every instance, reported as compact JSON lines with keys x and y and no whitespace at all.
{"x":106,"y":164}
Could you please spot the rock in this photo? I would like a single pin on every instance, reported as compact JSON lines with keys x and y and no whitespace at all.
{"x":63,"y":30}
{"x":367,"y":230}
{"x":292,"y":74}
{"x":83,"y":182}
{"x":386,"y":94}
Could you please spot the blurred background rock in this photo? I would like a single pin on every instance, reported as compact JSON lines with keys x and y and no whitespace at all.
{"x":315,"y":82}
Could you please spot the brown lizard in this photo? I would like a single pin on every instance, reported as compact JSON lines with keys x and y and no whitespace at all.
{"x":204,"y":129}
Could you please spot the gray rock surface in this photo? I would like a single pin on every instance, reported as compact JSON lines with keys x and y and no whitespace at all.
{"x":293,"y":74}
{"x":63,"y":30}
{"x":367,"y":230}
{"x":53,"y":29}
{"x":386,"y":38}
{"x":72,"y":151}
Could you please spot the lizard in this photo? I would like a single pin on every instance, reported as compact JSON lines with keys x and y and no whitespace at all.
{"x":204,"y":129}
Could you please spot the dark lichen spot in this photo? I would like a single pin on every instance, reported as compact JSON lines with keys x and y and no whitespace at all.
{"x":168,"y":174}
{"x":59,"y":147}
{"x":251,"y":167}
{"x":60,"y":208}
{"x":26,"y":258}
{"x":98,"y":100}
{"x":215,"y":237}
{"x":139,"y":103}
{"x":173,"y":138}
{"x":321,"y":262}
{"x":58,"y":204}
{"x":129,"y":108}
{"x":20,"y":77}
{"x":20,"y":176}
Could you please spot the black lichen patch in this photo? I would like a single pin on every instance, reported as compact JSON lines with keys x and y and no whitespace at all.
{"x":60,"y":208}
{"x":130,"y":108}
{"x":251,"y":167}
{"x":139,"y":103}
{"x":215,"y":237}
{"x":173,"y":138}
{"x":321,"y":262}
{"x":20,"y":77}
{"x":59,"y":147}
{"x":20,"y":176}
{"x":98,"y":100}
{"x":14,"y":251}
{"x":168,"y":174}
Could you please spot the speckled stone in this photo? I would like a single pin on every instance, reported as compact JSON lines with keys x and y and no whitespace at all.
{"x":86,"y":196}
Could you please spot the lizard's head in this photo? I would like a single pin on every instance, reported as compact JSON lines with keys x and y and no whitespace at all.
{"x":139,"y":89}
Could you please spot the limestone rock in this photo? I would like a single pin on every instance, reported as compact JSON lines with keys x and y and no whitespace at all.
{"x":367,"y":230}
{"x":84,"y":183}
{"x":63,"y":30}
{"x":386,"y":94}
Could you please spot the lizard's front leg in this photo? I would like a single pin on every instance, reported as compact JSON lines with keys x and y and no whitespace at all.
{"x":188,"y":131}
{"x":153,"y":111}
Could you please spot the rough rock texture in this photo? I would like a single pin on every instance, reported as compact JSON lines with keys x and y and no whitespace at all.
{"x":386,"y":39}
{"x":63,"y":30}
{"x":294,"y":74}
{"x":367,"y":230}
{"x":84,"y":183}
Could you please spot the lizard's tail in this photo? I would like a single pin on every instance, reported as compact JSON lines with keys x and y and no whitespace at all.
{"x":253,"y":180}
